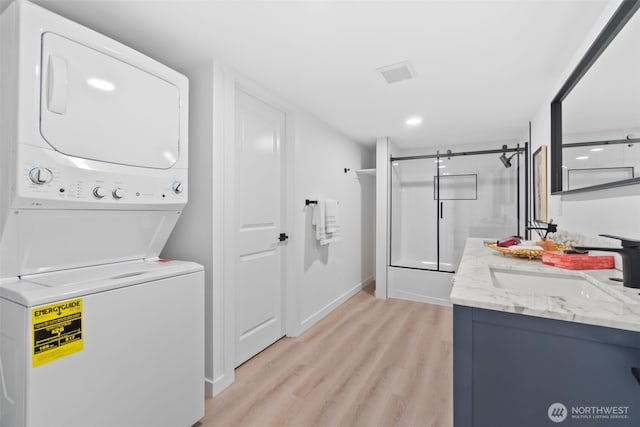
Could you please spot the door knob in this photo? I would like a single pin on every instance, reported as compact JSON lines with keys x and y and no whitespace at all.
{"x":282,"y":237}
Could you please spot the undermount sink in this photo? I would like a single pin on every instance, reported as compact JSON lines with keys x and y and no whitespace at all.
{"x":566,"y":285}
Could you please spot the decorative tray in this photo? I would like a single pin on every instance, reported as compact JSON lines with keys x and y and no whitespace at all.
{"x":522,"y":253}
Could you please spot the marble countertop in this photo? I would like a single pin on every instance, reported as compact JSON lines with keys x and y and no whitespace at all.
{"x":473,"y":287}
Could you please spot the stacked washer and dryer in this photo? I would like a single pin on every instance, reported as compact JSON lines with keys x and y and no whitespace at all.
{"x":95,"y":329}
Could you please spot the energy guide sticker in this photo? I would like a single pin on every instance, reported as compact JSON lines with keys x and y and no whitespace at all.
{"x":57,"y":331}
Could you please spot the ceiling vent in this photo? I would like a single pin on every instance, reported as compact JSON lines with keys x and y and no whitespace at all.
{"x":397,"y":72}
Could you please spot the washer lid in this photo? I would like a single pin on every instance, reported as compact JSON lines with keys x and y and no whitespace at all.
{"x":97,"y":107}
{"x":44,"y":288}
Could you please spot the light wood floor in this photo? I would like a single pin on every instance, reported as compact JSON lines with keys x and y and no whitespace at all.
{"x":369,"y":363}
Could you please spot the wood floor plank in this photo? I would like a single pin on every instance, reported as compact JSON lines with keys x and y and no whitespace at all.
{"x":369,"y":363}
{"x":392,"y":368}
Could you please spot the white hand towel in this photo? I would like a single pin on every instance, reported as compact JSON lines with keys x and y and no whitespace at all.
{"x":332,"y":216}
{"x":319,"y":220}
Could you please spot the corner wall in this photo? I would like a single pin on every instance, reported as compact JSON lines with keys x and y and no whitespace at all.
{"x":384,"y":150}
{"x":192,"y":238}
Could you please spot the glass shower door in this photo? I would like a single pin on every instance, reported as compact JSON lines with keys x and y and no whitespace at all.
{"x":478,"y":198}
{"x":413,"y":215}
{"x":458,"y":194}
{"x":438,"y":201}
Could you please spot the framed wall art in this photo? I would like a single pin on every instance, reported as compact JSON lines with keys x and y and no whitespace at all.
{"x":539,"y":179}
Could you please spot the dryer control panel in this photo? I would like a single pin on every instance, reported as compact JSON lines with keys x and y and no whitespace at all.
{"x":50,"y":179}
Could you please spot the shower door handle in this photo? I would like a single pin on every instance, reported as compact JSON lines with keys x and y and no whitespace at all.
{"x":441,"y":212}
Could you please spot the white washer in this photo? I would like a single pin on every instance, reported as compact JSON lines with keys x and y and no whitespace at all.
{"x":137,"y":328}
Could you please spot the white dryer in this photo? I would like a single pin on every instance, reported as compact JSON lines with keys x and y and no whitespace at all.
{"x":95,"y":329}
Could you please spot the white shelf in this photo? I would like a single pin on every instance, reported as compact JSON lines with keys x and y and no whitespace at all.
{"x":371,"y":172}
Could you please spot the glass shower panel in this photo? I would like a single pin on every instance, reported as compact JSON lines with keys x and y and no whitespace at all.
{"x":457,"y":192}
{"x":437,"y":203}
{"x":413,"y":214}
{"x":478,"y":198}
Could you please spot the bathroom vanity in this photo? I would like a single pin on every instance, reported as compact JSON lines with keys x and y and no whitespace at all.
{"x":536,"y":345}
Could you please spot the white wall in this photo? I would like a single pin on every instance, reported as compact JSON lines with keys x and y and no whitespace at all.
{"x":327,"y":275}
{"x":610,"y":211}
{"x":193,"y":238}
{"x":321,"y":278}
{"x":384,"y":150}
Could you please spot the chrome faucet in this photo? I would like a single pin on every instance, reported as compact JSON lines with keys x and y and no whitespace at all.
{"x":630,"y":253}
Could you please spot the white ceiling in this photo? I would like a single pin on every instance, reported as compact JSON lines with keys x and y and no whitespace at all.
{"x":483,"y":67}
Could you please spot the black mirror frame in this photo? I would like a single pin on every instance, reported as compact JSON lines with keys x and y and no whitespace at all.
{"x":619,"y":19}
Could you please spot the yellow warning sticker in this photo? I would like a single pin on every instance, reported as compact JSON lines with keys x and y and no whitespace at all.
{"x":57,"y":331}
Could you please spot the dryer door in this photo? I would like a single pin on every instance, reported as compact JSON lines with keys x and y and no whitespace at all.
{"x":97,"y":107}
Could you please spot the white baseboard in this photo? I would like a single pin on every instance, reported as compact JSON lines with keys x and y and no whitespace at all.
{"x":433,"y":287}
{"x":410,"y":296}
{"x":216,"y":386}
{"x":324,"y":311}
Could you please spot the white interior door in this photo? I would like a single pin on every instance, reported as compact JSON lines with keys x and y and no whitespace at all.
{"x":259,"y":138}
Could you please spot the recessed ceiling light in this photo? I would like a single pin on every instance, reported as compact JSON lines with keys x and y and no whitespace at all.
{"x":395,"y":163}
{"x":596,"y":149}
{"x":442,"y":166}
{"x":413,"y":121}
{"x":582,"y":157}
{"x":439,"y":161}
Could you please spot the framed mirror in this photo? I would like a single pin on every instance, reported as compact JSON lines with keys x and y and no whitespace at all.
{"x":595,"y":117}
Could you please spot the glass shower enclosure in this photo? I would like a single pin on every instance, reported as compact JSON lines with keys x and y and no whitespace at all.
{"x":439,"y":200}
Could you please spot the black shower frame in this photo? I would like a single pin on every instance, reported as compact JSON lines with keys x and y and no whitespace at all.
{"x":449,"y":154}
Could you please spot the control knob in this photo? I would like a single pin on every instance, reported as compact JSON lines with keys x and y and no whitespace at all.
{"x":40,"y":175}
{"x":177,"y":187}
{"x":118,"y":193}
{"x":99,"y":192}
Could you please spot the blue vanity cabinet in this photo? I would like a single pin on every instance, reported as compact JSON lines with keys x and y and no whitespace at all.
{"x":510,"y":370}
